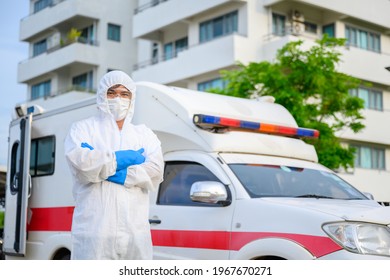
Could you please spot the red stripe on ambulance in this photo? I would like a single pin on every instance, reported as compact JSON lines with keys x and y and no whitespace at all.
{"x":316,"y":245}
{"x":50,"y":219}
{"x":219,"y":240}
{"x":60,"y":219}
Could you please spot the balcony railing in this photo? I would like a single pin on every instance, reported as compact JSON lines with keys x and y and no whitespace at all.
{"x":163,"y":58}
{"x":148,"y":5}
{"x":66,"y":90}
{"x":81,"y":40}
{"x":156,"y":60}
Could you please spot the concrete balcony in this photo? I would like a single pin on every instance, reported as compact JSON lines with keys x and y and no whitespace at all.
{"x":210,"y":56}
{"x":144,"y":27}
{"x":360,"y":63}
{"x":50,"y":17}
{"x":273,"y":43}
{"x":60,"y":100}
{"x":367,"y":65}
{"x":375,"y":131}
{"x":68,"y":56}
{"x":362,"y":9}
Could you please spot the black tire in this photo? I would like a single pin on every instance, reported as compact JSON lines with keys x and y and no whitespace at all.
{"x":62,"y":255}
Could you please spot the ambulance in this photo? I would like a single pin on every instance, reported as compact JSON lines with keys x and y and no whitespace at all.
{"x":239,"y":183}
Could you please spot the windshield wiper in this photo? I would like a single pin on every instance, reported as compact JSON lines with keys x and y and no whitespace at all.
{"x":314,"y":196}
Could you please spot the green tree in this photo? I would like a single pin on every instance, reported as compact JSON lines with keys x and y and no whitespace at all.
{"x":307,"y":83}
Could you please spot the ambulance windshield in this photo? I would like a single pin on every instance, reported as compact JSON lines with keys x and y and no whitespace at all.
{"x":283,"y":181}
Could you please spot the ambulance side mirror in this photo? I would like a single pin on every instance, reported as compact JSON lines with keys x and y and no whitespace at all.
{"x":369,"y":195}
{"x":209,"y":192}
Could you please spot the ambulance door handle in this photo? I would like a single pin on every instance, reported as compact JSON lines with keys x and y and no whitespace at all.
{"x":29,"y":185}
{"x":154,"y":221}
{"x":14,"y":184}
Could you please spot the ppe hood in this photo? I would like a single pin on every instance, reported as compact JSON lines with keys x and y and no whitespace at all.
{"x":348,"y":210}
{"x":108,"y":80}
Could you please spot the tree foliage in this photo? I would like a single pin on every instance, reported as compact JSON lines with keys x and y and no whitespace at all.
{"x":307,"y":83}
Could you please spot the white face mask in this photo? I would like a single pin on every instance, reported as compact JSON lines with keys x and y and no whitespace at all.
{"x":118,"y":107}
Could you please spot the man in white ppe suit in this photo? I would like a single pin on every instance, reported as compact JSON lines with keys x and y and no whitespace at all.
{"x":114,"y":165}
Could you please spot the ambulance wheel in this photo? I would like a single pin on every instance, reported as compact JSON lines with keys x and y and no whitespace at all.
{"x":269,"y":258}
{"x":62,"y":254}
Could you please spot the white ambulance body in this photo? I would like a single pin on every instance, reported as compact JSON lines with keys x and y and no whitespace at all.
{"x":238,"y":184}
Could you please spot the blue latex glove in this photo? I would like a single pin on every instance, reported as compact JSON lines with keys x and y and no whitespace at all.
{"x":86,"y":145}
{"x":126,"y":158}
{"x":119,"y":177}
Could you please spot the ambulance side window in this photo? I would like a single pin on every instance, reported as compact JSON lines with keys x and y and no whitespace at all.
{"x":42,"y":156}
{"x":178,"y":179}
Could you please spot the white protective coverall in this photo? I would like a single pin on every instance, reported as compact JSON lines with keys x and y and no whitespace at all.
{"x":110,"y":220}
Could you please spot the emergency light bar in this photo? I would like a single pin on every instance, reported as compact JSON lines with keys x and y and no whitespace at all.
{"x":216,"y":123}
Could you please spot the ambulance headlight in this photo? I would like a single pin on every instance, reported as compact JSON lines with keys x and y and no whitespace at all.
{"x":361,"y":238}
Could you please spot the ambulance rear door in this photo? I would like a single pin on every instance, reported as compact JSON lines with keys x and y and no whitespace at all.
{"x":18,"y":186}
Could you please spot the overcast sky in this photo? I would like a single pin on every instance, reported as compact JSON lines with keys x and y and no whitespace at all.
{"x":12,"y":51}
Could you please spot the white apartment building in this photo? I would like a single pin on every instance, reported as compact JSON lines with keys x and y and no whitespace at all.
{"x":58,"y":63}
{"x":187,"y":42}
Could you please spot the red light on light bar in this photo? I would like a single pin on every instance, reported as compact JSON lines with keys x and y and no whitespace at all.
{"x":229,"y":122}
{"x":287,"y":130}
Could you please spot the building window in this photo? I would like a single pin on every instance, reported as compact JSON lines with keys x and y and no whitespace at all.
{"x":40,"y":47}
{"x":155,"y":53}
{"x":114,"y":32}
{"x":40,"y":90}
{"x":87,"y":35}
{"x":42,"y":156}
{"x":181,"y":45}
{"x":172,"y":49}
{"x":41,"y":4}
{"x":278,"y":24}
{"x":362,"y":39}
{"x":369,"y":157}
{"x":329,"y":29}
{"x":168,"y":51}
{"x":310,"y":27}
{"x":215,"y":83}
{"x":217,"y":27}
{"x":83,"y":82}
{"x":373,"y":99}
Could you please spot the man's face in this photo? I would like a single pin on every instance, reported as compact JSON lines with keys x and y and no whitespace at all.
{"x":118,"y":90}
